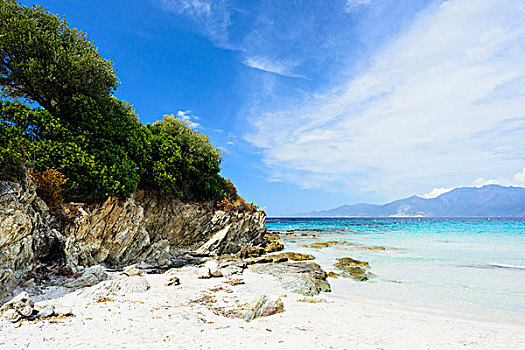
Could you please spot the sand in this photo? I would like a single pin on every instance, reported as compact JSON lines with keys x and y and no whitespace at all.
{"x":164,"y":317}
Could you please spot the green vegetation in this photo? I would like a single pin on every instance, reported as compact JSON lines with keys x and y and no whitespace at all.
{"x":82,"y":143}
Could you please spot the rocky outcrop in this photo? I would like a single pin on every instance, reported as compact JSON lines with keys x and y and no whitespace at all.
{"x":307,"y":278}
{"x":8,"y":283}
{"x":198,"y":226}
{"x":149,"y":227}
{"x":146,"y":227}
{"x":27,"y":230}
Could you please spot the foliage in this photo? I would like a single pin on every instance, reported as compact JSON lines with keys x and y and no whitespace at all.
{"x":36,"y":139}
{"x":183,"y":162}
{"x":44,"y":60}
{"x":232,"y":200}
{"x":83,"y":144}
{"x":49,"y":183}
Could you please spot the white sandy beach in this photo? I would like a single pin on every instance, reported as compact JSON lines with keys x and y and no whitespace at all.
{"x":165,"y":317}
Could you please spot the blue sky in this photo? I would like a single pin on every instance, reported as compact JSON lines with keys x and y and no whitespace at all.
{"x":323,"y":103}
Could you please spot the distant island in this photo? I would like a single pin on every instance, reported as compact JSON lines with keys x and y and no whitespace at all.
{"x":489,"y":200}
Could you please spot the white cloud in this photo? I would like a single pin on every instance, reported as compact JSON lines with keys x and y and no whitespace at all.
{"x":436,"y":192}
{"x":440,"y":103}
{"x":186,"y":115}
{"x":517,"y":180}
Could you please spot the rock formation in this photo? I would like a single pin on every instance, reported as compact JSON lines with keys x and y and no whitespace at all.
{"x":145,"y":228}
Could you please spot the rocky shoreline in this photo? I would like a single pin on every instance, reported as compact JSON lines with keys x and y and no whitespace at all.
{"x":157,"y":232}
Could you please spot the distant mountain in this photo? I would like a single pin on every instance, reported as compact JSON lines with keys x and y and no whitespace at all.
{"x":490,"y":200}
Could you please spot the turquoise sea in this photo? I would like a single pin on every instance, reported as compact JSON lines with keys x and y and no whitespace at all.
{"x":472,"y":268}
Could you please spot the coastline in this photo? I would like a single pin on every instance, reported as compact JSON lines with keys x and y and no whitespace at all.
{"x":165,"y":317}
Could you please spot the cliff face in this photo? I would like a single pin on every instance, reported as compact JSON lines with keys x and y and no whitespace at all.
{"x":148,"y":227}
{"x":144,"y":228}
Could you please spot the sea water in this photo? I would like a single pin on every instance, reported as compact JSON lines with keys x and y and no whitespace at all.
{"x":465,"y":267}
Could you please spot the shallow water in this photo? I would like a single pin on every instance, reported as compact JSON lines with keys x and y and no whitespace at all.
{"x":472,"y":267}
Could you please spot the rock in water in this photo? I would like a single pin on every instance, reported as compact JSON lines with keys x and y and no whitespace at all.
{"x":17,"y":308}
{"x":261,"y":307}
{"x":274,"y":247}
{"x":132,"y":271}
{"x":352,"y":268}
{"x":91,"y":276}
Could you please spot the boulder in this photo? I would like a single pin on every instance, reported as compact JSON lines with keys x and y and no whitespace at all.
{"x":116,"y":287}
{"x":261,"y":307}
{"x":173,"y":281}
{"x":307,"y":278}
{"x":48,"y":311}
{"x":213,"y":266}
{"x":48,"y":308}
{"x":17,"y":308}
{"x":231,"y":267}
{"x":132,"y":270}
{"x":203,"y":272}
{"x":91,"y":276}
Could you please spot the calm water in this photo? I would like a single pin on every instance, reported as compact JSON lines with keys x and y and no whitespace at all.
{"x":472,"y":267}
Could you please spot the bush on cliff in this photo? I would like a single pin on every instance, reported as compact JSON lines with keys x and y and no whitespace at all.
{"x":183,"y":161}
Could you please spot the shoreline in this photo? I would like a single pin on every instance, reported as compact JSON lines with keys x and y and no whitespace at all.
{"x":167,"y":317}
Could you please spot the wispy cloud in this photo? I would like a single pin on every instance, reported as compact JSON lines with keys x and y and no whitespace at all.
{"x":212,"y":17}
{"x":353,"y":4}
{"x":413,"y":117}
{"x":281,"y":67}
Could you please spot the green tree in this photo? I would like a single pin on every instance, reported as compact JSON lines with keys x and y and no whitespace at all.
{"x":44,"y":60}
{"x":183,"y":161}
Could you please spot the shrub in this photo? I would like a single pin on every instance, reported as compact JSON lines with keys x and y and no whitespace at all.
{"x":96,"y":167}
{"x":49,"y":183}
{"x":232,"y":200}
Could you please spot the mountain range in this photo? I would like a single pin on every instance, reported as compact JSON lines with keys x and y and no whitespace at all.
{"x":489,"y":200}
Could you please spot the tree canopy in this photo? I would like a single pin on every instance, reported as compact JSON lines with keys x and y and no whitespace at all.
{"x":83,"y":143}
{"x":43,"y":60}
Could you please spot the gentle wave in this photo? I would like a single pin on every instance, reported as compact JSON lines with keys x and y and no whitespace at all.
{"x":494,"y":266}
{"x":508,"y":266}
